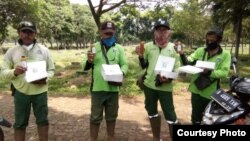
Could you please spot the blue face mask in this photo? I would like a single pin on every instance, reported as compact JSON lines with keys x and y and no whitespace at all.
{"x":109,"y":41}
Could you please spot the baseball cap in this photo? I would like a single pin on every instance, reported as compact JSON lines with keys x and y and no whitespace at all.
{"x":26,"y":25}
{"x":108,"y":26}
{"x":216,"y":30}
{"x":161,"y":22}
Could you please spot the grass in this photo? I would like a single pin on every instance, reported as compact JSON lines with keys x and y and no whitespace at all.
{"x":69,"y":79}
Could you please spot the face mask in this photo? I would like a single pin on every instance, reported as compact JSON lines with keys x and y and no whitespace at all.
{"x":28,"y":47}
{"x":109,"y":41}
{"x":212,"y":46}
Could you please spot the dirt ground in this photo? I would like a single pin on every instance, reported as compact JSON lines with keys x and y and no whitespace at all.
{"x":69,"y":119}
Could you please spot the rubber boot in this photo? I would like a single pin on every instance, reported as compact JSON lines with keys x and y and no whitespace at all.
{"x":155,"y":123}
{"x":110,"y":131}
{"x":1,"y":135}
{"x":94,"y":129}
{"x":171,"y":130}
{"x":43,"y":132}
{"x":20,"y":134}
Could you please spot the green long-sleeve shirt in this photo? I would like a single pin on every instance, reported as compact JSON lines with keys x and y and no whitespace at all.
{"x":222,"y":66}
{"x":115,"y":55}
{"x":12,"y":58}
{"x":151,"y":55}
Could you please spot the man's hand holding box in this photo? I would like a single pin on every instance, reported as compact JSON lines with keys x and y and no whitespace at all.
{"x":164,"y":67}
{"x":112,"y":73}
{"x":36,"y":71}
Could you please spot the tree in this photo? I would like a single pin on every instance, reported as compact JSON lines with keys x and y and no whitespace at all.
{"x":56,"y":22}
{"x":135,"y":21}
{"x":84,"y":25}
{"x":191,"y":23}
{"x":97,"y":13}
{"x":230,"y":11}
{"x":12,"y":12}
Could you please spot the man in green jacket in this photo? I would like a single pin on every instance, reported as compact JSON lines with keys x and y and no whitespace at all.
{"x":27,"y":94}
{"x":105,"y":95}
{"x":212,"y":53}
{"x":158,"y":88}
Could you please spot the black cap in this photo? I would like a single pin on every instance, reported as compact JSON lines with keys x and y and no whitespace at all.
{"x":26,"y":25}
{"x":108,"y":25}
{"x":218,"y":31}
{"x":160,"y":23}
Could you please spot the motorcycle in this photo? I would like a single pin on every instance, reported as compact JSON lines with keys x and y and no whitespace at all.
{"x":232,"y":106}
{"x":4,"y":123}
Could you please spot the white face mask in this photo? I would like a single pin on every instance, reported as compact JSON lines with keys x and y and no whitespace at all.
{"x":29,"y":47}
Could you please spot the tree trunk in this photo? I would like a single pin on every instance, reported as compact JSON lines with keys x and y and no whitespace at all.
{"x":232,"y":47}
{"x":98,"y":13}
{"x":249,"y":48}
{"x":51,"y":44}
{"x":238,"y":33}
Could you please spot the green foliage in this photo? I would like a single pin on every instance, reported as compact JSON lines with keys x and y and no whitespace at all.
{"x":135,"y":25}
{"x":57,"y":21}
{"x":243,"y":65}
{"x":129,"y":87}
{"x":13,"y":11}
{"x":66,"y":25}
{"x":4,"y":85}
{"x":230,"y":12}
{"x":191,"y":23}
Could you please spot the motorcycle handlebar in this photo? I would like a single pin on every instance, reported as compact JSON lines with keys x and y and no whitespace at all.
{"x":234,"y":68}
{"x":234,"y":60}
{"x":233,"y":64}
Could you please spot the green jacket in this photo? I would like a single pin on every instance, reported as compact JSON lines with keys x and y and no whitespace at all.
{"x":222,"y":67}
{"x":115,"y":55}
{"x":151,"y":55}
{"x":12,"y":59}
